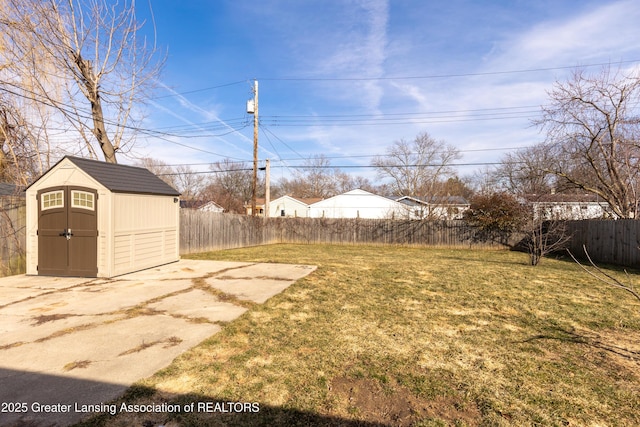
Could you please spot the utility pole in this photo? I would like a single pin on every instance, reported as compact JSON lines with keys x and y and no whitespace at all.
{"x":255,"y":149}
{"x":267,"y":188}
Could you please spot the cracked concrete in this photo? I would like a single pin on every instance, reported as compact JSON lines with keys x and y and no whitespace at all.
{"x":84,"y":341}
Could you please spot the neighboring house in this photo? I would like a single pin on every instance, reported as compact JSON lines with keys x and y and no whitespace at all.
{"x":563,"y":206}
{"x":11,"y":195}
{"x":201,"y":206}
{"x":290,"y":206}
{"x":8,"y":189}
{"x":211,"y":207}
{"x":260,"y":202}
{"x":436,"y":207}
{"x":357,"y":204}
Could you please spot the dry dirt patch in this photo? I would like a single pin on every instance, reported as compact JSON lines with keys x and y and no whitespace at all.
{"x":395,"y":405}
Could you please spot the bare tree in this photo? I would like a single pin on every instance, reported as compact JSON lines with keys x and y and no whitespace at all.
{"x":526,"y":171}
{"x":543,"y":237}
{"x":190,"y":183}
{"x":593,"y":121}
{"x":484,"y":180}
{"x":160,"y":169}
{"x":24,"y":141}
{"x":316,"y":178}
{"x":231,"y":185}
{"x":83,"y":59}
{"x":416,"y":168}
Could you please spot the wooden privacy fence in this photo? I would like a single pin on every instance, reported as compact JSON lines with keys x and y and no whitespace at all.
{"x":206,"y":231}
{"x":12,"y":235}
{"x":203,"y":231}
{"x":608,"y":241}
{"x":612,"y":242}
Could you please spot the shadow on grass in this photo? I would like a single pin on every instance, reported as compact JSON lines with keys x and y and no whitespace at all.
{"x":209,"y":411}
{"x":554,"y":332}
{"x":32,"y":399}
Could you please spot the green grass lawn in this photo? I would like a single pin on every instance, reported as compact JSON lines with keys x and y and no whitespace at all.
{"x":414,"y":336}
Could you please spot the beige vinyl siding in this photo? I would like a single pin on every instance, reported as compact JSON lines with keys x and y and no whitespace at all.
{"x":104,"y":203}
{"x":145,"y":231}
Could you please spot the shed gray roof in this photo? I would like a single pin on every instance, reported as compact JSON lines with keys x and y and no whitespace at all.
{"x":122,"y":178}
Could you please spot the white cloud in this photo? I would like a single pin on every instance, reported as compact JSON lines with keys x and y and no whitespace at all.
{"x":601,"y":34}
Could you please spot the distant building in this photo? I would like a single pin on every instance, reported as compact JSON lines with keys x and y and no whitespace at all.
{"x":435,"y":207}
{"x":11,"y":195}
{"x":260,"y":202}
{"x":357,"y":204}
{"x":211,"y":206}
{"x":566,"y":206}
{"x":201,"y":205}
{"x":290,"y":206}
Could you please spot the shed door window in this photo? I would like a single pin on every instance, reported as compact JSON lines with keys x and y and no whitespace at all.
{"x":82,"y":199}
{"x":52,"y":200}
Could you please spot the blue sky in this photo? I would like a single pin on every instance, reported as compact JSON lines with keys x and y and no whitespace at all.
{"x":348,"y":78}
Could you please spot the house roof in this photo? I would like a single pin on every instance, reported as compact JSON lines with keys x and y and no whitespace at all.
{"x":304,"y":200}
{"x":434,"y":200}
{"x":357,"y":192}
{"x":564,"y":198}
{"x":9,"y":189}
{"x":210,"y":204}
{"x":122,"y":178}
{"x":260,"y":201}
{"x":307,"y":200}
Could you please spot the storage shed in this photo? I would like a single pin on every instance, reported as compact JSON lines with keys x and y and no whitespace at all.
{"x":94,"y":219}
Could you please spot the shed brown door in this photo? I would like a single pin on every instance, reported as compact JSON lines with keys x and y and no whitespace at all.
{"x":67,"y":232}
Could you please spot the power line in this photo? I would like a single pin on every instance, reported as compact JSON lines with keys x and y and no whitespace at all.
{"x":70,"y":110}
{"x":283,"y":143}
{"x":199,"y":90}
{"x":369,"y":156}
{"x":426,"y":165}
{"x":441,"y":76}
{"x":386,"y":122}
{"x":204,"y":172}
{"x":474,"y":110}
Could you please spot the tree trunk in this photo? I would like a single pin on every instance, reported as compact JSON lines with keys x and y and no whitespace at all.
{"x":93,"y":94}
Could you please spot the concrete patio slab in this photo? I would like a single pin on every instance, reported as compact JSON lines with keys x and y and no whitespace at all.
{"x":199,"y":304}
{"x":74,"y":341}
{"x":270,"y":271}
{"x":262,"y":290}
{"x":96,"y":299}
{"x":16,"y":329}
{"x":186,"y":268}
